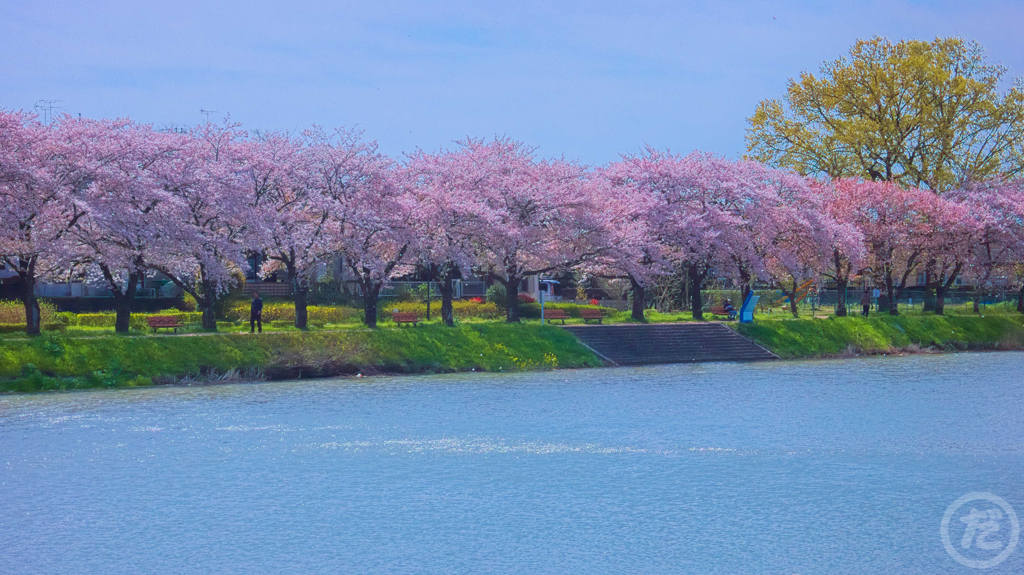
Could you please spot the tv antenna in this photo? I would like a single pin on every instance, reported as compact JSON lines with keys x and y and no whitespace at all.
{"x":46,"y":108}
{"x":207,"y":114}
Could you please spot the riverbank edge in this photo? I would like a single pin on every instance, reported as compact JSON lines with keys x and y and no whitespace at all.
{"x":52,"y":362}
{"x":836,"y":337}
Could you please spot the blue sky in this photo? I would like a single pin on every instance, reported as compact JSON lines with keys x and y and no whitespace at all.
{"x":587,"y":80}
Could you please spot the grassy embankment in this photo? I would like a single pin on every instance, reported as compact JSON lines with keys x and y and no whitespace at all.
{"x":849,"y":336}
{"x":53,"y":361}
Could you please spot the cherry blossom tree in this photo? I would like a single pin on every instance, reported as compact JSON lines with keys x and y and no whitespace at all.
{"x":201,"y":247}
{"x":535,"y":216}
{"x":445,"y":213}
{"x":897,"y":228}
{"x":701,"y":202}
{"x":794,"y":235}
{"x":632,"y":217}
{"x":41,"y":183}
{"x":289,"y":217}
{"x":997,"y":206}
{"x":368,"y":203}
{"x":125,"y":208}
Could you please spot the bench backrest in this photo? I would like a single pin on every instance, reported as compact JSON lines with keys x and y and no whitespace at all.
{"x":161,"y":320}
{"x":591,"y":313}
{"x":555,"y":314}
{"x":719,"y":309}
{"x":404,"y":316}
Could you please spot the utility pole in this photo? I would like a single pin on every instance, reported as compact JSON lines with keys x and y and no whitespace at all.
{"x":46,"y":108}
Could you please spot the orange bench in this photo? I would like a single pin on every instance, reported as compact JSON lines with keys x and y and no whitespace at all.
{"x":400,"y":317}
{"x":556,"y":314}
{"x":589,"y":314}
{"x":169,"y":321}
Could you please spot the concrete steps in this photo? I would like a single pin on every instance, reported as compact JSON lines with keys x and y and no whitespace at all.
{"x":638,"y":344}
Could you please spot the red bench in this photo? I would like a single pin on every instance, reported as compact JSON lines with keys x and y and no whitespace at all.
{"x":400,"y":317}
{"x":589,"y":314}
{"x":719,"y":310}
{"x":169,"y":321}
{"x":556,"y":314}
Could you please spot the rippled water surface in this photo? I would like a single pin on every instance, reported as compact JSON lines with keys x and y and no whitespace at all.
{"x":842,"y":466}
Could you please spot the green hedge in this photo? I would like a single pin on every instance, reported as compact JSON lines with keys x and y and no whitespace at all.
{"x":138,"y":320}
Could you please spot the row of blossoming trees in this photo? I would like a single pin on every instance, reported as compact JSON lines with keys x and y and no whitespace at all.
{"x":118,"y":201}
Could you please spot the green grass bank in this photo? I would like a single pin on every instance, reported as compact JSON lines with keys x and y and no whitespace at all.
{"x":54,"y":361}
{"x":850,"y":336}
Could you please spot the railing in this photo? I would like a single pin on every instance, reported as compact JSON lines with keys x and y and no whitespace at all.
{"x":461,"y":289}
{"x":276,"y":289}
{"x":75,"y":290}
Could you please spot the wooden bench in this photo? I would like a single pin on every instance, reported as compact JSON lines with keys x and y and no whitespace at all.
{"x":169,"y":321}
{"x":720,"y":310}
{"x":589,"y":314}
{"x":556,"y":314}
{"x":400,"y":317}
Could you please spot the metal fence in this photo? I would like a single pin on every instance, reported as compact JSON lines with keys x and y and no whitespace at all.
{"x":461,"y":289}
{"x":75,"y":290}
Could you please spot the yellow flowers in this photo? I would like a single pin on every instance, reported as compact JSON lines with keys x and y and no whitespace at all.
{"x":550,"y":360}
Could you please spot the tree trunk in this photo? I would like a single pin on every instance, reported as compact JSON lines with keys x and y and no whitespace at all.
{"x":32,"y":314}
{"x":371,"y":290}
{"x":639,"y":295}
{"x":512,"y":297}
{"x":942,"y":288}
{"x":932,"y":285}
{"x":447,"y":289}
{"x":301,"y":306}
{"x":122,"y":300}
{"x":792,"y":301}
{"x":696,"y":279}
{"x":976,"y":300}
{"x":890,"y":291}
{"x":745,"y":284}
{"x":841,"y":285}
{"x":1020,"y":299}
{"x":430,"y":274}
{"x":209,"y":307}
{"x":300,"y":291}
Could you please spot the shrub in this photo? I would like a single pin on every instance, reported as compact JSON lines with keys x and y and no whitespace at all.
{"x":526,"y":298}
{"x":14,"y":312}
{"x":285,"y":311}
{"x":497,"y":295}
{"x":462,"y":309}
{"x":188,"y":303}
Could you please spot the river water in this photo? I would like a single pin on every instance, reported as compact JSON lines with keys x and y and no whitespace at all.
{"x":839,"y":466}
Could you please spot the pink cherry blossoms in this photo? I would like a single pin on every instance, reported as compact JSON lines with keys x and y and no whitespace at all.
{"x":117,"y":201}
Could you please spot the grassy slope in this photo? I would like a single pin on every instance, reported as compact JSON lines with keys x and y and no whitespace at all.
{"x":884,"y":334}
{"x":52,"y":362}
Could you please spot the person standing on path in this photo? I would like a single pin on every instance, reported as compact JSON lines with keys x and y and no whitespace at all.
{"x":865,"y":302}
{"x":256,"y":314}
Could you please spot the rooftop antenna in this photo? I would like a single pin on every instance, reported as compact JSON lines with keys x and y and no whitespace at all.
{"x":207,"y":113}
{"x":46,"y":108}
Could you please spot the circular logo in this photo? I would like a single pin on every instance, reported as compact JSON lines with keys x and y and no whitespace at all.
{"x":984,"y":529}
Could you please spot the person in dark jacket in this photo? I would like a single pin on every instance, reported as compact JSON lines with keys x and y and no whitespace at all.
{"x":729,"y":309}
{"x":865,"y":302}
{"x":256,"y":314}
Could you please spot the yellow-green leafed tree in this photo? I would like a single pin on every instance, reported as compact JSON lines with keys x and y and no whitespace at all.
{"x":926,"y":114}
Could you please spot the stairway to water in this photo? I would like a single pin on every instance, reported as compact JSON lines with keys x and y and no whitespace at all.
{"x":639,"y":344}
